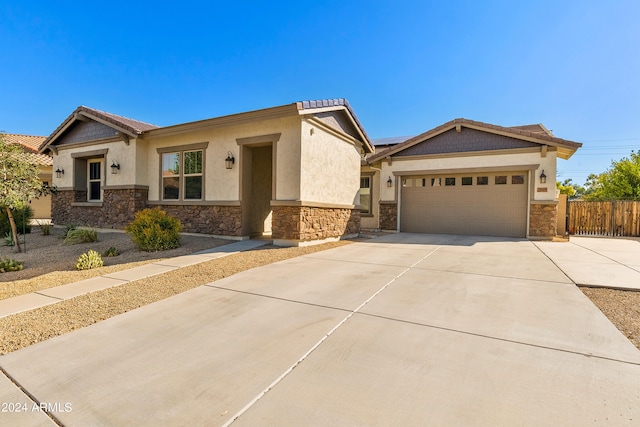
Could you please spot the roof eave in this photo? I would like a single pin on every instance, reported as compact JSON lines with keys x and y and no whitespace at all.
{"x":367,"y":145}
{"x":565,"y":148}
{"x":232,"y":119}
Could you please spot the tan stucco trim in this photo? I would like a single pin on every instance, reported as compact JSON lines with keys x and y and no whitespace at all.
{"x":87,"y":154}
{"x":187,"y":147}
{"x":194,"y":203}
{"x":543,"y":202}
{"x":472,"y":153}
{"x":259,"y":139}
{"x":85,"y":144}
{"x":303,"y":203}
{"x":126,"y":187}
{"x":467,"y":170}
{"x":234,"y":119}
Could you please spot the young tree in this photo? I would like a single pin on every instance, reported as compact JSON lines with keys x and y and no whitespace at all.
{"x":620,"y":182}
{"x":19,"y":182}
{"x":569,"y":188}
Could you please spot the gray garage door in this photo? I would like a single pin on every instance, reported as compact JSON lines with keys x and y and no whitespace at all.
{"x":486,"y":204}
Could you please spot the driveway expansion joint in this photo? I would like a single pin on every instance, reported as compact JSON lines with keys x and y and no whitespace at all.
{"x":31,"y":397}
{"x":475,"y":334}
{"x":321,"y":341}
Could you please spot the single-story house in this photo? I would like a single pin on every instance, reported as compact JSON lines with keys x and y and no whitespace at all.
{"x":30,"y":145}
{"x":291,"y":171}
{"x":466,"y":177}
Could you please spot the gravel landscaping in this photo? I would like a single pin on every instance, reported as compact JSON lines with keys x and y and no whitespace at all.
{"x":27,"y":328}
{"x":49,"y":263}
{"x":621,"y":307}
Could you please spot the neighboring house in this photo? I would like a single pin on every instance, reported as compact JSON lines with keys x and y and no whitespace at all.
{"x":466,"y":177}
{"x":30,"y":144}
{"x":291,"y":172}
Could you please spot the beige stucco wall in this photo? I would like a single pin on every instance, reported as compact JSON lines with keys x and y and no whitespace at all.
{"x":122,"y":153}
{"x":223,"y":184}
{"x":42,"y":206}
{"x":402,"y":166}
{"x":330,"y":167}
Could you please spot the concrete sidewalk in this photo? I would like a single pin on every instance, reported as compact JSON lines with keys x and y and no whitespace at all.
{"x":54,"y":295}
{"x":406,"y":329}
{"x":597,"y":261}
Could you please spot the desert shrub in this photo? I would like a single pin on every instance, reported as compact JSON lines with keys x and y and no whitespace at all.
{"x":8,"y":264}
{"x":69,"y":228}
{"x":112,"y":251}
{"x":89,"y":260}
{"x":81,"y":235}
{"x":21,"y":215}
{"x":154,"y":230}
{"x":45,"y":228}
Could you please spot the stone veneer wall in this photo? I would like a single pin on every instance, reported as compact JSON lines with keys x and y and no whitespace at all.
{"x":119,"y":207}
{"x":116,"y":211}
{"x":543,"y":220}
{"x":306,"y":223}
{"x":388,"y":215}
{"x":207,"y":219}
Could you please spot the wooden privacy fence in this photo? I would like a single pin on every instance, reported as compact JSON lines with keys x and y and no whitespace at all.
{"x":616,"y":218}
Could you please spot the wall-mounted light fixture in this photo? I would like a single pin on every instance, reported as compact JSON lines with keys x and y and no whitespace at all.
{"x":229,"y":161}
{"x":543,"y":178}
{"x":115,"y":167}
{"x":59,"y":172}
{"x":389,"y":182}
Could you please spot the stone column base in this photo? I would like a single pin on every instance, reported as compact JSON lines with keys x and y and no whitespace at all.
{"x":389,"y":216}
{"x":543,"y":220}
{"x":305,"y":225}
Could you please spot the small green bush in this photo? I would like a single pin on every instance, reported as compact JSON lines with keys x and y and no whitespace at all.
{"x":69,"y":228}
{"x":10,"y":265}
{"x":21,"y":215}
{"x":45,"y":228}
{"x":112,"y":251}
{"x":81,"y":235}
{"x":153,"y":230}
{"x":91,"y":259}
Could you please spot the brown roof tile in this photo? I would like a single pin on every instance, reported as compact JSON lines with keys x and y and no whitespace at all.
{"x":29,"y":145}
{"x":29,"y":142}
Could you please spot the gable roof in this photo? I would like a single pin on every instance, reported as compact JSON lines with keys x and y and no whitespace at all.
{"x":531,"y":133}
{"x":135,"y":128}
{"x":326,"y":104}
{"x":122,"y":124}
{"x":30,"y":146}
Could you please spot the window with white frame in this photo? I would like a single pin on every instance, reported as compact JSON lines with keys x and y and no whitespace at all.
{"x":182,"y":175}
{"x":94,"y":183}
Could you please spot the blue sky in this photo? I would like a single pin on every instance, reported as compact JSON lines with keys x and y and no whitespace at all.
{"x":404,"y":66}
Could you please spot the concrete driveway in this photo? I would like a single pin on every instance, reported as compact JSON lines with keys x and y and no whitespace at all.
{"x":597,"y":261}
{"x":402,"y":330}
